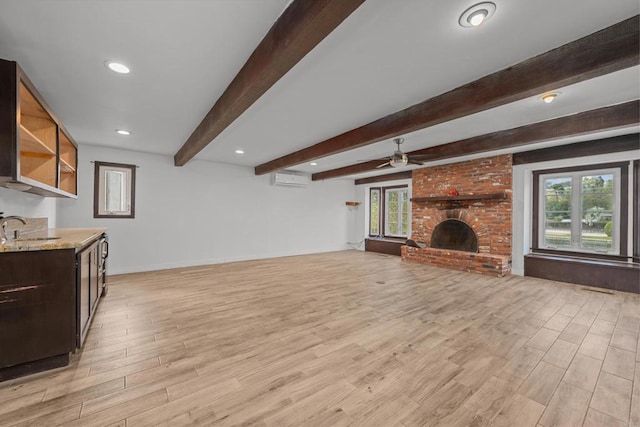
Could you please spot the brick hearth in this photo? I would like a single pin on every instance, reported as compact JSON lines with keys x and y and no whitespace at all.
{"x":495,"y":265}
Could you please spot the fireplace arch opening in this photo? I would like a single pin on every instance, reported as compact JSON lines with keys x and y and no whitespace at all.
{"x":455,"y":235}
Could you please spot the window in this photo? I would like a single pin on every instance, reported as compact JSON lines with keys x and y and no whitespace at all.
{"x":396,"y":212}
{"x":374,"y":215}
{"x":389,"y":212}
{"x":114,"y":190}
{"x":581,"y":210}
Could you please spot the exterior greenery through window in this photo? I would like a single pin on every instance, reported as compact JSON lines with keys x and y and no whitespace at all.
{"x":580,"y":210}
{"x":389,"y":211}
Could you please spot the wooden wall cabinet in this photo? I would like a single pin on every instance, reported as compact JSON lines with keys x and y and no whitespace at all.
{"x":35,"y":149}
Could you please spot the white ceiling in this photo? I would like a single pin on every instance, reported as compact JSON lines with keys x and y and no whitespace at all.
{"x":388,"y":55}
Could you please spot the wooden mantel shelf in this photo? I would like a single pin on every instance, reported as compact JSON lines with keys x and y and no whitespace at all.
{"x":462,"y":197}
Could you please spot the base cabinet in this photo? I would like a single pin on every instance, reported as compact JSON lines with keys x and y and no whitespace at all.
{"x":47,"y":301}
{"x":615,"y":275}
{"x":37,"y":310}
{"x":383,"y":246}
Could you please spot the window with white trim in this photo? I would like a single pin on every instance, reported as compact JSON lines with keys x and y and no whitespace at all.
{"x":580,"y":210}
{"x":389,"y":211}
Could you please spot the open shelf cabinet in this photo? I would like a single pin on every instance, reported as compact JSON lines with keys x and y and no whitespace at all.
{"x":37,"y":150}
{"x":68,"y":164}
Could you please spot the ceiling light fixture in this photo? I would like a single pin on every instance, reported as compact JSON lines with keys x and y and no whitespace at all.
{"x":477,"y":14}
{"x":239,"y":151}
{"x":117,"y":67}
{"x":123,"y":132}
{"x":548,"y":98}
{"x":313,"y":163}
{"x":399,"y":161}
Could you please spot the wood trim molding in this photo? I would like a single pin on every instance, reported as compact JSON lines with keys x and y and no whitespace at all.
{"x":611,"y":49}
{"x":636,"y":211}
{"x":383,"y":178}
{"x":613,"y":144}
{"x":610,"y":117}
{"x":490,"y":196}
{"x":8,"y":112}
{"x":303,"y":25}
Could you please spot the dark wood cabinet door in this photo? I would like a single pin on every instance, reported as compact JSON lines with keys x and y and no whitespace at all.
{"x":37,"y":305}
{"x":88,"y":288}
{"x":84,"y":307}
{"x":93,"y":279}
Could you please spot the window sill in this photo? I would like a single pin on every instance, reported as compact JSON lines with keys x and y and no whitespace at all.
{"x":586,"y":259}
{"x":388,"y":239}
{"x":579,"y":255}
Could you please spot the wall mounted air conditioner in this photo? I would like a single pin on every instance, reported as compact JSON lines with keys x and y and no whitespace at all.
{"x":290,"y":179}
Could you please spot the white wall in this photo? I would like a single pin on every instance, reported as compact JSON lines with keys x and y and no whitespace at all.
{"x":205,"y":213}
{"x":14,"y":202}
{"x":522,"y":196}
{"x":361,"y":221}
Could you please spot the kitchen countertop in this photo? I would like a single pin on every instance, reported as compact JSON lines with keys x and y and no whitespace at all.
{"x":53,"y":238}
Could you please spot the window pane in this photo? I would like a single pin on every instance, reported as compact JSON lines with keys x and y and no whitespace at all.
{"x":597,"y":220}
{"x":391,"y":212}
{"x":374,"y":213}
{"x":405,"y":213}
{"x":396,"y":206}
{"x":115,"y":191}
{"x":557,"y":206}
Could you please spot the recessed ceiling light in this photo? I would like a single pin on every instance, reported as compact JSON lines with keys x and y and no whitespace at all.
{"x":314,"y":163}
{"x":123,"y":132}
{"x":117,"y":67}
{"x":477,"y":14}
{"x":548,"y":98}
{"x":239,"y":151}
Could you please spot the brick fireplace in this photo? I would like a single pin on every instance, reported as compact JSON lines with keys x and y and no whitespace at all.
{"x":477,"y":218}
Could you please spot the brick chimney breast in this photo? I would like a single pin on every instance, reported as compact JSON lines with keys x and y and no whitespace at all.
{"x":490,"y":219}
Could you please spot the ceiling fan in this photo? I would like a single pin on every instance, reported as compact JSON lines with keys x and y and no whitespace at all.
{"x":399,"y":159}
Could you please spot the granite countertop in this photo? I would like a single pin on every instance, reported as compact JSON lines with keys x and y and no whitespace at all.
{"x":53,"y":238}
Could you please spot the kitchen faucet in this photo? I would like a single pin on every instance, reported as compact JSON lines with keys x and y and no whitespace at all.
{"x":3,"y":224}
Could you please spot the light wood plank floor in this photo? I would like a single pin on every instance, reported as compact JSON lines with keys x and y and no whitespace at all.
{"x":346,"y":338}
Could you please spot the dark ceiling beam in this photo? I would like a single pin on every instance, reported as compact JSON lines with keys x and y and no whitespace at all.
{"x":611,"y":117}
{"x":612,"y":49}
{"x":303,"y":25}
{"x":383,"y":178}
{"x":614,"y":144}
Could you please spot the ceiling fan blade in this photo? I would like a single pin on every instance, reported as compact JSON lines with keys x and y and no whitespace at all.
{"x":384,"y":165}
{"x":414,"y":162}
